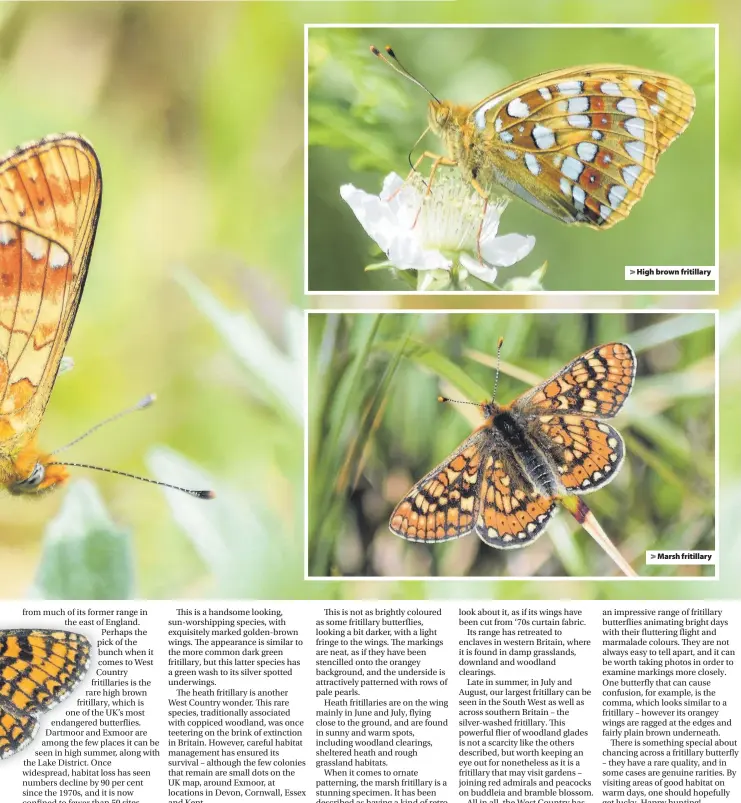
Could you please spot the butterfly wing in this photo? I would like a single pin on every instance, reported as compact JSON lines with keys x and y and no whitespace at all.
{"x":593,"y":385}
{"x":586,"y":453}
{"x":16,"y":731}
{"x":443,"y":504}
{"x":50,"y":195}
{"x":511,"y":514}
{"x":582,"y":144}
{"x":38,"y":669}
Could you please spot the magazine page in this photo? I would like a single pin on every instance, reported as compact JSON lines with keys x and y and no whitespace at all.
{"x":373,"y":436}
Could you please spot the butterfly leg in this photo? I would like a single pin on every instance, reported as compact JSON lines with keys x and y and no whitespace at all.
{"x":436,"y":160}
{"x":485,"y":195}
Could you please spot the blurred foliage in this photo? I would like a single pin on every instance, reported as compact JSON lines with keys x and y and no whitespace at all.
{"x":364,"y":119}
{"x":192,"y":176}
{"x":86,"y":555}
{"x":375,"y":428}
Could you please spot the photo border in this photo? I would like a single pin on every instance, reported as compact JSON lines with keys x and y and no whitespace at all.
{"x":516,"y":311}
{"x":509,"y":293}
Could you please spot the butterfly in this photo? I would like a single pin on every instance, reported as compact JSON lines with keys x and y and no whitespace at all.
{"x":580,"y":144}
{"x":50,"y":195}
{"x":38,"y":669}
{"x":503,"y":481}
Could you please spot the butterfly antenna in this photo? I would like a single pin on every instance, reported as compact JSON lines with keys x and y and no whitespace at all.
{"x":456,"y":401}
{"x":142,"y":404}
{"x":196,"y":494}
{"x":499,"y":360}
{"x":395,"y":64}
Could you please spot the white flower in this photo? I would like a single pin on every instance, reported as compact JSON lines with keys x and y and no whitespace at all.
{"x":437,"y":232}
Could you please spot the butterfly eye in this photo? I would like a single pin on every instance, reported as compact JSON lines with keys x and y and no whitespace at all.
{"x":438,"y":115}
{"x":32,"y":481}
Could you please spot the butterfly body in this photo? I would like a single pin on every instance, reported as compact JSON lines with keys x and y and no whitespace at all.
{"x":512,"y":433}
{"x":503,"y":481}
{"x":50,"y":196}
{"x":580,"y":144}
{"x":38,"y":669}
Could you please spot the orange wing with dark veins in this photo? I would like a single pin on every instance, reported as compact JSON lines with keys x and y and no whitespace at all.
{"x":50,"y":196}
{"x":587,"y":453}
{"x":38,"y":669}
{"x":444,"y":504}
{"x":511,"y":514}
{"x":594,"y":385}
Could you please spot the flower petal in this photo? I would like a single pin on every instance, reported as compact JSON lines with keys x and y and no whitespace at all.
{"x":376,"y":216}
{"x":403,"y":199}
{"x":406,"y":253}
{"x":486,"y":273}
{"x":416,"y":229}
{"x":508,"y":249}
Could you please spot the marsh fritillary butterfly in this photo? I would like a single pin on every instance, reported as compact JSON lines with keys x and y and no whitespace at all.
{"x":580,"y":144}
{"x":503,"y":481}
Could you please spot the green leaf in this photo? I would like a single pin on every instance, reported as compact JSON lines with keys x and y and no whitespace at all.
{"x":85,"y":554}
{"x":440,"y":365}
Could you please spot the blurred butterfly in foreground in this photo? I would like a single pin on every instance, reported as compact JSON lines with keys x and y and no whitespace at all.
{"x":50,"y":196}
{"x":503,"y":482}
{"x":580,"y":144}
{"x":38,"y":669}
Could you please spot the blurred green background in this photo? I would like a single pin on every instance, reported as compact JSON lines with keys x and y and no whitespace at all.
{"x":364,"y":120}
{"x":376,"y":428}
{"x":201,"y":221}
{"x":196,"y":111}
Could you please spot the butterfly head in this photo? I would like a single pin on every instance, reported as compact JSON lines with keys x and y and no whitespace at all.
{"x":489,"y":409}
{"x":35,"y":475}
{"x":444,"y":117}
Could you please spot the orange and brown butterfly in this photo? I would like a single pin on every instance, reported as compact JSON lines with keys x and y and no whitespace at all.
{"x":504,"y":481}
{"x":38,"y":669}
{"x":581,"y":144}
{"x":50,"y":195}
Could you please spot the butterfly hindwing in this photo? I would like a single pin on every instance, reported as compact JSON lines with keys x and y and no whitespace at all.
{"x":443,"y":504}
{"x":511,"y":513}
{"x":38,"y":669}
{"x":587,"y":453}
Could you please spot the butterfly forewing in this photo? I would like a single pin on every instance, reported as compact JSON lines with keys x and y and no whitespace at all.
{"x":50,"y":194}
{"x":38,"y":669}
{"x":595,"y":384}
{"x":580,"y":144}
